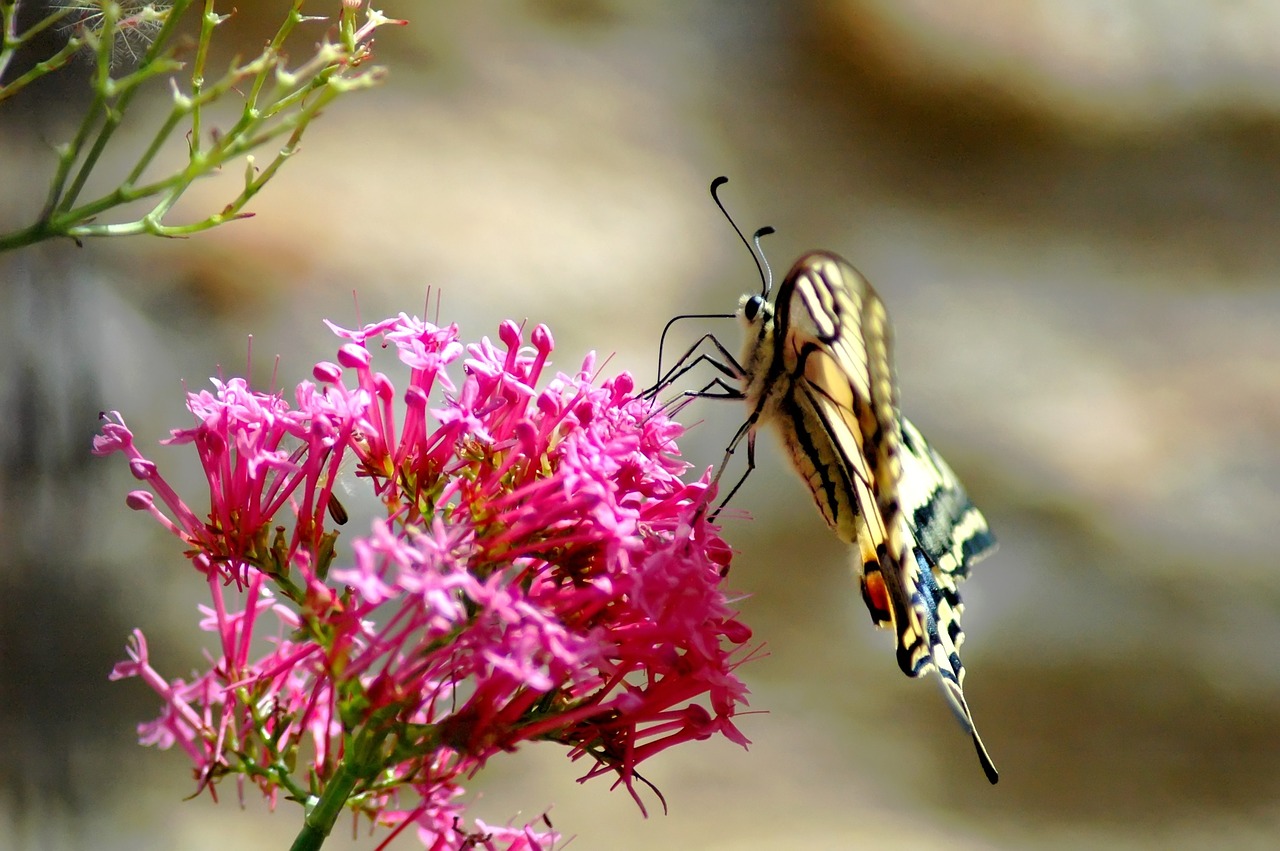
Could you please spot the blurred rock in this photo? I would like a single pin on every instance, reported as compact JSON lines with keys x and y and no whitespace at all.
{"x":1127,"y":66}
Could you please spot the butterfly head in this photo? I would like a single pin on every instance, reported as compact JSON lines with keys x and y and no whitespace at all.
{"x":756,"y":315}
{"x":753,"y":309}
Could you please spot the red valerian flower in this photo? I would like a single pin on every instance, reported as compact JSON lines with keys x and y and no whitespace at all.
{"x":540,"y":570}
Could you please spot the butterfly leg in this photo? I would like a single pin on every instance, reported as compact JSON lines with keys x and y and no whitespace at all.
{"x":729,"y":367}
{"x":717,"y":388}
{"x":748,"y":430}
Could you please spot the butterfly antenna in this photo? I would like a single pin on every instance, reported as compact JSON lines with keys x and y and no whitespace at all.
{"x":768,"y":277}
{"x":715,"y":196}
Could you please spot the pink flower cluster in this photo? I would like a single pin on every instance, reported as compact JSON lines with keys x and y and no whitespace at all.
{"x":538,"y":570}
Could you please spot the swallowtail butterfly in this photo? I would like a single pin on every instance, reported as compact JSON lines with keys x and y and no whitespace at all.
{"x":817,"y":367}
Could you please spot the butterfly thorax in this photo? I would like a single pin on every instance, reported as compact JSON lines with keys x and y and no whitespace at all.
{"x":758,"y":356}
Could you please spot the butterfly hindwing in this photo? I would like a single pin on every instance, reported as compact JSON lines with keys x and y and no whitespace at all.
{"x":949,"y":530}
{"x":819,"y":366}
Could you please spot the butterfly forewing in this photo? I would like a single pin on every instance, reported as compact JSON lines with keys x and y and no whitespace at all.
{"x":818,"y":365}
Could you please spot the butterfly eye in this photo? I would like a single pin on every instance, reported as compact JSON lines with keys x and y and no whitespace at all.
{"x":751,"y":307}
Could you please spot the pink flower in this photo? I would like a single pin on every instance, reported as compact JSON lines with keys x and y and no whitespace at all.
{"x":542,"y":572}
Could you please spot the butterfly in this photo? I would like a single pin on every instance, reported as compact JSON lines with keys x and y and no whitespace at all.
{"x":817,"y":367}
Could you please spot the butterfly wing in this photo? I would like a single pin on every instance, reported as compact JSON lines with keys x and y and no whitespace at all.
{"x":874,"y":478}
{"x":948,"y":526}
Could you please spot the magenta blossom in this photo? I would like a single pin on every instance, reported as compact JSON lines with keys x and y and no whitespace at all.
{"x":541,"y":571}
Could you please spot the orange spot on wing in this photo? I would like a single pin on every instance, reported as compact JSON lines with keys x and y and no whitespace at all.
{"x":876,"y":596}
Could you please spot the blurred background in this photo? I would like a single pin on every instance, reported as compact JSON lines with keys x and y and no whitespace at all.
{"x":1069,"y":209}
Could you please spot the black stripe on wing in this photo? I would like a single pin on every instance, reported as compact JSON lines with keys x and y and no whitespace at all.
{"x":824,"y":470}
{"x":947,"y":525}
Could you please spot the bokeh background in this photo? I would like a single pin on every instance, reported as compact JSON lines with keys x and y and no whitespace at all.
{"x":1070,"y":209}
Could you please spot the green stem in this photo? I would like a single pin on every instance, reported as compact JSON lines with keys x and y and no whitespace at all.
{"x":272,"y":53}
{"x":11,"y":40}
{"x":278,"y":103}
{"x":8,"y":34}
{"x":68,"y":154}
{"x":27,"y":236}
{"x":157,"y":142}
{"x":208,"y":20}
{"x":277,"y":768}
{"x":103,"y":88}
{"x":112,"y":110}
{"x":362,"y":761}
{"x":53,"y":63}
{"x":42,"y":24}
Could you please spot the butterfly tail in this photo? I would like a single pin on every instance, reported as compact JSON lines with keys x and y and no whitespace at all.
{"x":945,"y":660}
{"x":926,"y":618}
